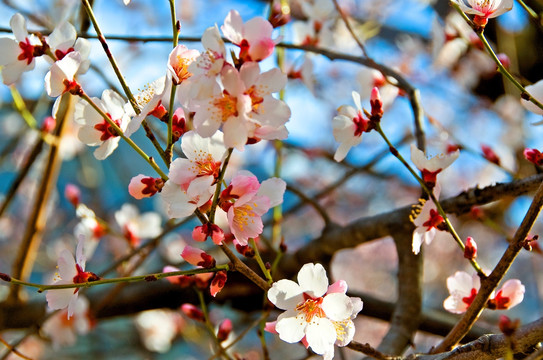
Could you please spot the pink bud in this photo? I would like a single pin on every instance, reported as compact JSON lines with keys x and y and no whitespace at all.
{"x":225,"y":328}
{"x":193,"y":312}
{"x":142,"y":186}
{"x":534,"y":156}
{"x":181,"y":280}
{"x":508,"y":327}
{"x":49,"y":124}
{"x":490,"y":155}
{"x":218,"y":283}
{"x":470,"y":251}
{"x":199,"y":233}
{"x":376,"y":105}
{"x":72,"y":194}
{"x":197,"y":257}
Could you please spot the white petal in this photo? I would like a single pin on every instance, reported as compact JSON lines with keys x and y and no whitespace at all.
{"x":285,"y":294}
{"x":274,"y":190}
{"x":321,"y":335}
{"x":290,"y":328}
{"x":313,"y":280}
{"x":337,"y":306}
{"x":536,"y":90}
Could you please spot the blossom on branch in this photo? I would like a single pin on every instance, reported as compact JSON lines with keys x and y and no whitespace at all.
{"x":484,"y":9}
{"x":60,"y":79}
{"x":433,"y":166}
{"x":17,"y":55}
{"x":70,"y":271}
{"x":245,"y":200}
{"x":95,"y":130}
{"x":253,"y":37}
{"x":63,"y":330}
{"x":315,"y":313}
{"x":427,"y":221}
{"x":136,"y":226}
{"x":63,"y":40}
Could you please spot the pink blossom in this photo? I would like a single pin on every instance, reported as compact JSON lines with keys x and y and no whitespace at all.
{"x":228,"y":108}
{"x":253,"y":37}
{"x":211,"y":61}
{"x":202,"y":232}
{"x":70,"y":271}
{"x":150,"y":101}
{"x":197,"y":257}
{"x":252,"y":200}
{"x":17,"y":55}
{"x":433,"y":166}
{"x":484,"y":9}
{"x":60,"y":79}
{"x":142,"y":186}
{"x":178,"y":63}
{"x":73,"y":194}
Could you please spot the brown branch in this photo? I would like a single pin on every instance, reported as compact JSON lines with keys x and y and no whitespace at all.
{"x":22,"y":266}
{"x":492,"y":347}
{"x":491,"y":282}
{"x":367,"y":349}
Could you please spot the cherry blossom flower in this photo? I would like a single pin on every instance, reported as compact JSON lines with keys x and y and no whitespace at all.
{"x":192,"y":180}
{"x":142,"y":186}
{"x":96,"y":131}
{"x":321,"y":317}
{"x":317,"y":30}
{"x":179,"y":60}
{"x":150,"y":101}
{"x":70,"y":271}
{"x":253,"y":37}
{"x":158,"y":328}
{"x":135,"y":226}
{"x":463,"y":288}
{"x":17,"y":55}
{"x":211,"y":61}
{"x":63,"y":40}
{"x":252,"y":200}
{"x":427,"y":222}
{"x":484,"y":9}
{"x":509,"y":295}
{"x":60,"y":79}
{"x":270,"y":113}
{"x":229,"y":107}
{"x":433,"y":166}
{"x":197,"y":257}
{"x":348,"y":127}
{"x":63,"y":330}
{"x":536,"y":90}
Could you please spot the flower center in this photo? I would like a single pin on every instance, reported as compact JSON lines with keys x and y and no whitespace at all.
{"x":27,"y":51}
{"x":255,"y":99}
{"x":311,"y":308}
{"x":181,"y":68}
{"x":469,"y":299}
{"x":106,"y":129}
{"x":434,"y":221}
{"x":61,"y":54}
{"x":244,"y":213}
{"x":361,"y":124}
{"x":227,"y":105}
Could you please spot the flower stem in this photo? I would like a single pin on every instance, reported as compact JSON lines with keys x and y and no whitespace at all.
{"x":121,"y":79}
{"x":175,"y":31}
{"x":209,"y":326}
{"x":218,"y":188}
{"x":124,"y":137}
{"x":479,"y":31}
{"x":430,"y":193}
{"x":260,"y":261}
{"x":148,"y":277}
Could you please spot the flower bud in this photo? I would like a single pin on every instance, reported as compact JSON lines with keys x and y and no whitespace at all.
{"x":534,"y":156}
{"x":225,"y":328}
{"x":197,"y":257}
{"x":490,"y":155}
{"x":72,"y":194}
{"x":470,"y":251}
{"x":218,"y":283}
{"x":508,"y":326}
{"x":193,"y":312}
